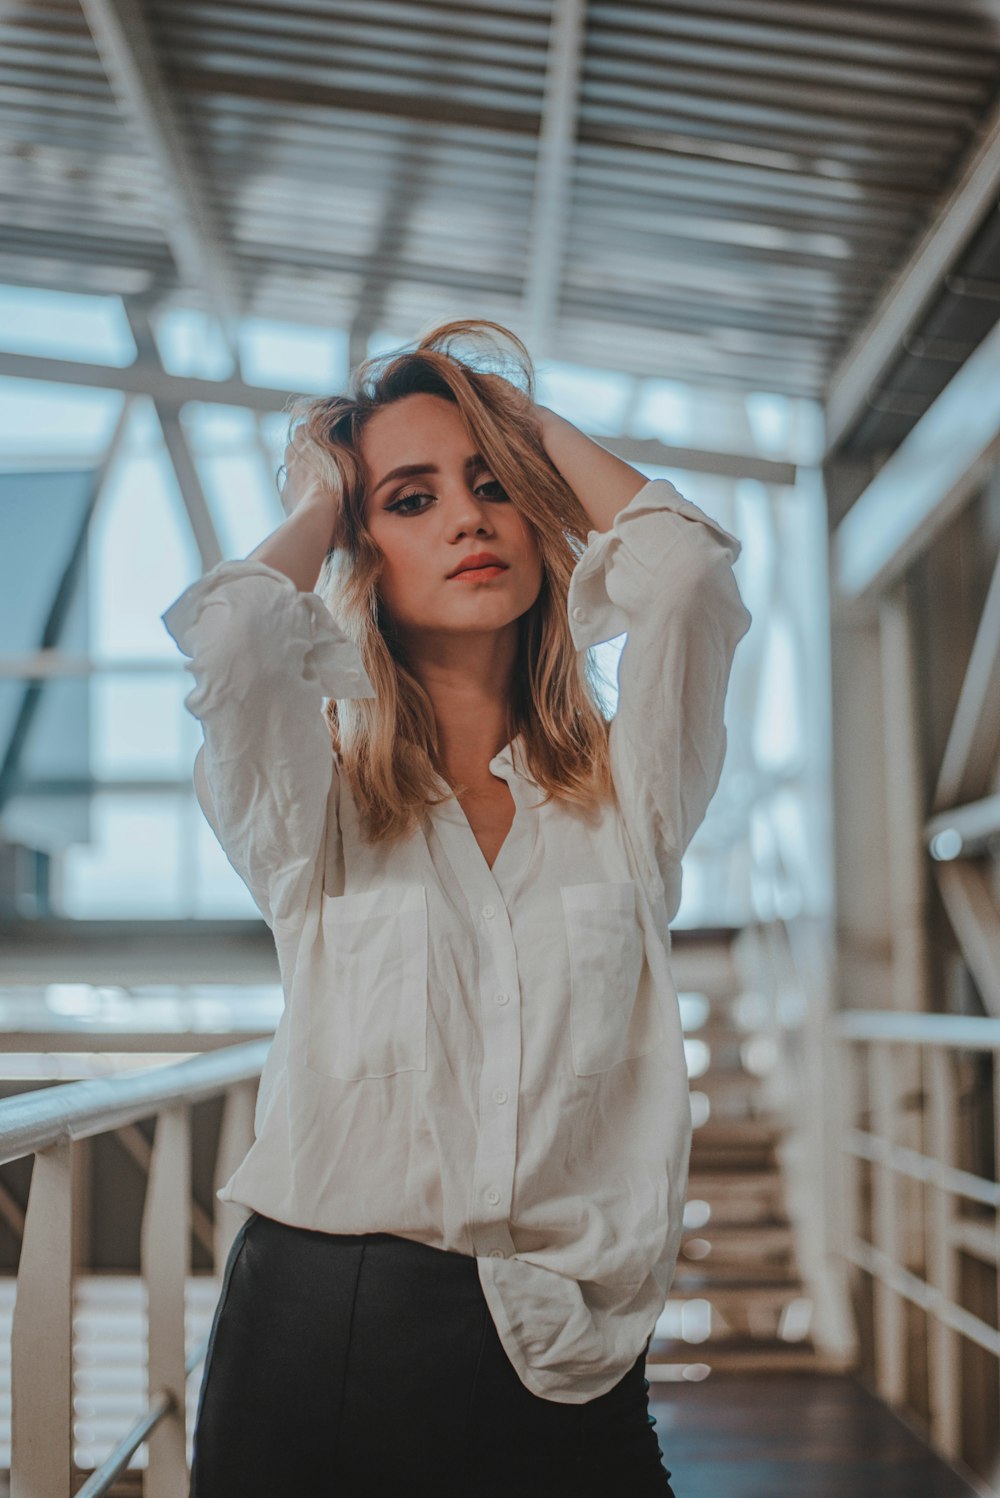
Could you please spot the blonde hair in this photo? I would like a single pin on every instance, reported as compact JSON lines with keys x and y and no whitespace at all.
{"x":388,"y":745}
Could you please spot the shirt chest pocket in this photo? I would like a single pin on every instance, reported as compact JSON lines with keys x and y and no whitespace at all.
{"x":371,"y":1018}
{"x":610,"y":1020}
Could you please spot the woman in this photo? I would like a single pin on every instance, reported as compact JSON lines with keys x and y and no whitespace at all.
{"x":472,"y":1129}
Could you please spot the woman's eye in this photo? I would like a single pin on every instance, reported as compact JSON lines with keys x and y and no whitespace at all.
{"x":402,"y":504}
{"x":403,"y":499}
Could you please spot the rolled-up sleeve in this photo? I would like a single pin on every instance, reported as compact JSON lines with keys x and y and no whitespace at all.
{"x":264,"y":655}
{"x":663,"y":575}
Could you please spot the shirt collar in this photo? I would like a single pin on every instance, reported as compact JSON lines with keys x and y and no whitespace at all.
{"x":509,"y":765}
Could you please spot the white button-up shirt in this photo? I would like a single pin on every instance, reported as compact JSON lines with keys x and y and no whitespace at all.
{"x":489,"y":1061}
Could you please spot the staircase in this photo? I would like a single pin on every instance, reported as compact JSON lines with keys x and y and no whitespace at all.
{"x":738,"y":1301}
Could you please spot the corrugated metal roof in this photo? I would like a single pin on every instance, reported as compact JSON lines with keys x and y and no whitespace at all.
{"x":744,"y":178}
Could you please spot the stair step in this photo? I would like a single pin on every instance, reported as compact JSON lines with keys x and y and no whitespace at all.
{"x":737,"y":1241}
{"x":733,"y":1213}
{"x":740,"y":1133}
{"x":720,"y":1079}
{"x":758,"y":1158}
{"x":712,"y":1274}
{"x":725,"y":1155}
{"x":128,"y":1484}
{"x":720,"y":1023}
{"x":709,"y":1183}
{"x":739,"y":1294}
{"x":734,"y":1195}
{"x":739,"y":1354}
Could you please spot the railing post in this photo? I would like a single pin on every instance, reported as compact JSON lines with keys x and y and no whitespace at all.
{"x":820,"y":1122}
{"x":945,"y":1364}
{"x":42,"y":1334}
{"x":890,"y":1320}
{"x":846,"y":1063}
{"x":236,"y":1135}
{"x":166,"y":1264}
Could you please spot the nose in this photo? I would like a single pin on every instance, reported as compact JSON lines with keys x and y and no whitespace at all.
{"x":470,"y":513}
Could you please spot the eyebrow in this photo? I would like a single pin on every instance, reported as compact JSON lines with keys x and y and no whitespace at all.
{"x":410,"y":470}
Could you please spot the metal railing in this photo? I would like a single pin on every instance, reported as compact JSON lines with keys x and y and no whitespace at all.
{"x":46,"y":1124}
{"x":894,"y":1086}
{"x":914,"y":1203}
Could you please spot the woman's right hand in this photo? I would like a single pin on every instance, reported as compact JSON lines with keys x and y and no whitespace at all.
{"x":311,"y":500}
{"x":304,"y":483}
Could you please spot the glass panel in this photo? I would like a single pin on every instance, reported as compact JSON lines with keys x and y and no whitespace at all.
{"x":220,"y":893}
{"x":190,"y":343}
{"x":594,"y":399}
{"x":138,"y":726}
{"x":65,"y":325}
{"x":777,"y":730}
{"x":663,"y":411}
{"x":239,"y":479}
{"x":142,"y":555}
{"x":41,"y":425}
{"x":297,"y":355}
{"x":132,"y":865}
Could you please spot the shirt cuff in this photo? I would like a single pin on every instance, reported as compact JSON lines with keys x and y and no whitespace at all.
{"x":331,"y":658}
{"x":593,"y":616}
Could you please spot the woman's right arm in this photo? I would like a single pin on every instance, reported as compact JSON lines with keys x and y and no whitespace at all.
{"x":265,"y":651}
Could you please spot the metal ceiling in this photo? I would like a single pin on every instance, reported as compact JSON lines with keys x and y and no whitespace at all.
{"x":717,"y":190}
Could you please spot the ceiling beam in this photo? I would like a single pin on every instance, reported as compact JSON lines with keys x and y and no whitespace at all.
{"x":938,"y":467}
{"x":190,"y":223}
{"x":145,"y":377}
{"x":192,"y":227}
{"x":969,"y":758}
{"x":554,"y":173}
{"x":969,"y":901}
{"x":648,"y":452}
{"x":179,"y":452}
{"x":864,"y":367}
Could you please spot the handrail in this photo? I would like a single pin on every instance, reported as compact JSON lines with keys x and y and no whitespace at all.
{"x":906,"y":1159}
{"x":967,"y":1032}
{"x":46,"y":1124}
{"x":33,"y":1121}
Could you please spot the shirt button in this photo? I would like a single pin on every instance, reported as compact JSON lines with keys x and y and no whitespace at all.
{"x":493,"y":1196}
{"x":501,"y":998}
{"x":500,"y":1095}
{"x":579,"y":613}
{"x":489,"y":911}
{"x":353,"y":673}
{"x":497,"y":1253}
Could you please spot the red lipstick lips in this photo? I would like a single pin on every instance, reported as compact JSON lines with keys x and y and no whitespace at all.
{"x":477,"y":560}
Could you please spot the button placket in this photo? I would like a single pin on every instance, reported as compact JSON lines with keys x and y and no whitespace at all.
{"x":487,"y":891}
{"x":497,"y":1134}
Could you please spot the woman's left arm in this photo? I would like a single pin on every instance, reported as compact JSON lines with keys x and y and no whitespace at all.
{"x":602,"y":483}
{"x":658,"y":569}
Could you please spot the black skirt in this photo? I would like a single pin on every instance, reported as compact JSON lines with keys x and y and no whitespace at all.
{"x":352,"y":1366}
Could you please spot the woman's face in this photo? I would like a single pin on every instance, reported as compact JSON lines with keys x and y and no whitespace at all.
{"x":427,"y":523}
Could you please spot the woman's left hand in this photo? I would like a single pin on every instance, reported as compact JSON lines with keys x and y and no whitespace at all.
{"x":511,"y":394}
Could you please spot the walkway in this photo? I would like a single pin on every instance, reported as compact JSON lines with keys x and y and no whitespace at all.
{"x":804,"y":1435}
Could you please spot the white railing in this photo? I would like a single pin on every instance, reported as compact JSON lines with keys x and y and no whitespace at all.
{"x":47,"y":1124}
{"x":785,"y":967}
{"x":914,"y":1203}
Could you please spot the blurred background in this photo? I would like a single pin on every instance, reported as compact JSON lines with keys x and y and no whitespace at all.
{"x":754,"y":247}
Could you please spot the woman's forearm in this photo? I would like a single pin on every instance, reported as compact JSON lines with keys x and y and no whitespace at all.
{"x":300,"y":544}
{"x":602,"y":482}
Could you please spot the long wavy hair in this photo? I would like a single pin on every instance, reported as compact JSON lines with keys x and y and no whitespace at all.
{"x":388,"y":746}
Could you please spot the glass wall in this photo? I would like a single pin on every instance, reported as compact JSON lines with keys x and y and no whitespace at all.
{"x":145,"y":850}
